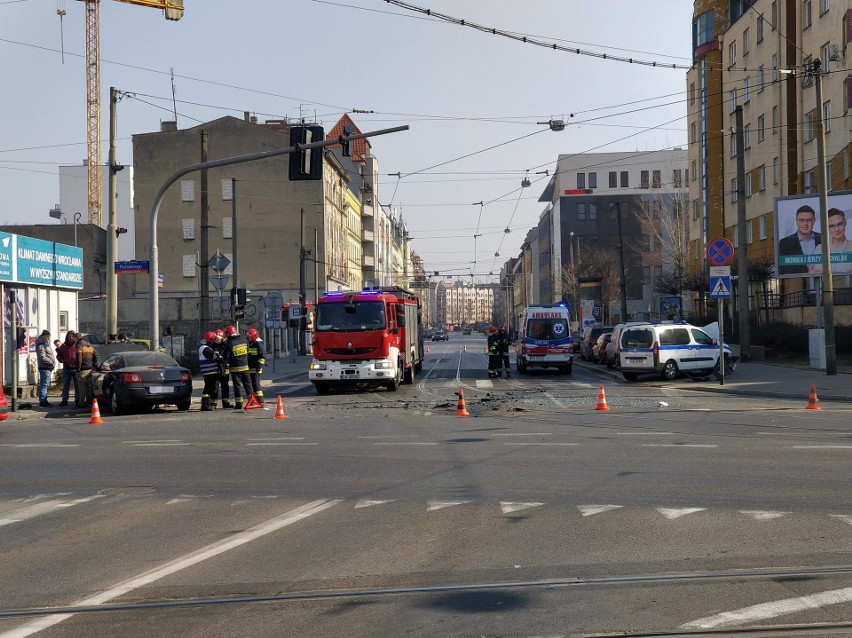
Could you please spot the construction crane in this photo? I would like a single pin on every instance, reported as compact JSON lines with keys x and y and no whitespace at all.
{"x":173,"y":10}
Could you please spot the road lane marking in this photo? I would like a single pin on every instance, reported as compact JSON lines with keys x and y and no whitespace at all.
{"x":183,"y":498}
{"x":431,"y":506}
{"x":29,"y":511}
{"x":37,"y":445}
{"x":405,"y":443}
{"x":179,"y":564}
{"x":821,"y":447}
{"x":391,"y":436}
{"x":86,"y":499}
{"x":650,"y":433}
{"x":765,"y":611}
{"x":556,"y":401}
{"x":672,"y":513}
{"x":678,"y":445}
{"x":762,"y":515}
{"x":548,"y":443}
{"x":522,"y":434}
{"x":368,"y":503}
{"x":484,"y":383}
{"x":510,"y":506}
{"x":589,"y":510}
{"x":279,"y":443}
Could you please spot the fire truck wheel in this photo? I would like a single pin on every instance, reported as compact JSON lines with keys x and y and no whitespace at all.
{"x":393,"y":386}
{"x":322,"y":389}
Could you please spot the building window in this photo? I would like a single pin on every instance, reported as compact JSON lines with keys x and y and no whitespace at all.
{"x":735,"y":235}
{"x":694,"y":172}
{"x":625,"y":183}
{"x":733,"y":145}
{"x":746,"y":42}
{"x":227,"y":190}
{"x":774,"y":64}
{"x":761,"y":79}
{"x":686,"y":173}
{"x":761,"y":177}
{"x":748,"y":185}
{"x":692,"y":93}
{"x":656,"y":180}
{"x":825,"y":56}
{"x":746,"y":91}
{"x":733,"y":100}
{"x":828,"y":176}
{"x":775,"y":121}
{"x":692,"y":133}
{"x":761,"y":223}
{"x":677,"y":179}
{"x":806,"y":14}
{"x":732,"y":54}
{"x":735,"y":194}
{"x":760,"y":27}
{"x":809,"y":126}
{"x":761,"y":128}
{"x":593,"y":211}
{"x":189,"y":265}
{"x":809,"y":182}
{"x":188,"y":228}
{"x":63,"y":321}
{"x":581,"y":212}
{"x":773,"y":15}
{"x":227,"y":228}
{"x":643,"y":179}
{"x":826,"y":116}
{"x":747,"y":136}
{"x":581,"y":180}
{"x":823,"y":6}
{"x":187,"y":190}
{"x":749,"y":237}
{"x":694,"y":209}
{"x":613,"y":179}
{"x":775,"y":170}
{"x":593,"y":180}
{"x":704,"y":29}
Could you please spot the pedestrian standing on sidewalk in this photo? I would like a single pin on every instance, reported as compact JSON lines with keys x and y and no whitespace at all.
{"x":67,"y":355}
{"x":256,"y":361}
{"x":46,"y":363}
{"x":87,"y":359}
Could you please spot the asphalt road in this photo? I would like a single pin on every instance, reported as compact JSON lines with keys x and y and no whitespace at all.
{"x":384,"y":514}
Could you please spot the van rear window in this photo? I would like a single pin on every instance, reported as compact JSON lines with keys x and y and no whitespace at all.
{"x":637,"y":338}
{"x":547,"y":329}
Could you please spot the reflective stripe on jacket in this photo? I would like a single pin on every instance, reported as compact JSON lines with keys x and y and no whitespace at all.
{"x":207,"y":360}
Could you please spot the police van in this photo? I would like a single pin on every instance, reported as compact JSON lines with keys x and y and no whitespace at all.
{"x":544,"y":340}
{"x":668,"y":348}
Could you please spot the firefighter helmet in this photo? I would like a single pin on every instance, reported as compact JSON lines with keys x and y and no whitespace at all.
{"x":210,"y":337}
{"x":492,"y":330}
{"x":230,"y":331}
{"x":253,"y":334}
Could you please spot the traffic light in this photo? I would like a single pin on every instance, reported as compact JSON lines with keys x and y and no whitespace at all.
{"x":346,"y":145}
{"x":306,"y":164}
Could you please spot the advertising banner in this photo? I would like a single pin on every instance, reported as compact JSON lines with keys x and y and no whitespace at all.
{"x":799,"y":235}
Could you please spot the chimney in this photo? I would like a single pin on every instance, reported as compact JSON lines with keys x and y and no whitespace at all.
{"x":168,"y":126}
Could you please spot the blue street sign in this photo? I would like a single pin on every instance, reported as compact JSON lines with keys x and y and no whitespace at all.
{"x":720,"y":287}
{"x":719,"y":252}
{"x":131,"y":267}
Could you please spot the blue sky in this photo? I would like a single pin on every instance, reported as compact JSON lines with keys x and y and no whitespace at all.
{"x":461,"y":91}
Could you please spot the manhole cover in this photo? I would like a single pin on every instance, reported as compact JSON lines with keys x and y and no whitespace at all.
{"x":132,"y":490}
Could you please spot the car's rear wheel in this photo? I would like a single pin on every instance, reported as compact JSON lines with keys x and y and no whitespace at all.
{"x":566,"y":369}
{"x":630,"y":376}
{"x":183,"y":406}
{"x":669,"y":371}
{"x":115,"y":406}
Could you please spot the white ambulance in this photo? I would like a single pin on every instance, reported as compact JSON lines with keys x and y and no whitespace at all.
{"x":545,"y":339}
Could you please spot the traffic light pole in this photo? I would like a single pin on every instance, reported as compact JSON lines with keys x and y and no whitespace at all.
{"x":153,"y":251}
{"x":303,"y":256}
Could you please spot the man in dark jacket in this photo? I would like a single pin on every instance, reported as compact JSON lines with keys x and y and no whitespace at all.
{"x":504,"y":342}
{"x":256,"y":361}
{"x":237,"y":349}
{"x":87,"y":359}
{"x":803,"y":242}
{"x":67,"y":355}
{"x":46,"y":363}
{"x":492,"y":352}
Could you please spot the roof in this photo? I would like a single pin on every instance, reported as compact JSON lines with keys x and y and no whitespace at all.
{"x":360,"y":148}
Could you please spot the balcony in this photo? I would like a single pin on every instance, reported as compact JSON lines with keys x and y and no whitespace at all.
{"x":368,"y":261}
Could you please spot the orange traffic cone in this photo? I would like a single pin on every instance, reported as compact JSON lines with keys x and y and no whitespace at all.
{"x":427,"y":349}
{"x":279,"y":409}
{"x":602,"y":400}
{"x":465,"y":349}
{"x":813,"y":402}
{"x":96,"y":413}
{"x":462,"y":410}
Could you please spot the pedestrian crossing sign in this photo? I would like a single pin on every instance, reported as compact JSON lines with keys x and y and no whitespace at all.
{"x":720,"y":287}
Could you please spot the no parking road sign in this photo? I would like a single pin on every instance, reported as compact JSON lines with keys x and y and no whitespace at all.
{"x":719,"y":252}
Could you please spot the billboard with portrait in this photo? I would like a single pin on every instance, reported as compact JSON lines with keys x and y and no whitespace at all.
{"x":799,"y":235}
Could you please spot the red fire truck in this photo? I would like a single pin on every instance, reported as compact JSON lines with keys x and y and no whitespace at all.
{"x":369,"y":338}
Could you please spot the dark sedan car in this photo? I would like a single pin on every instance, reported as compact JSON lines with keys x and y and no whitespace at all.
{"x":141,"y":379}
{"x":440,"y":335}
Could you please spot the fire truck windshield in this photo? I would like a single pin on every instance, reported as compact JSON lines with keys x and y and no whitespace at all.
{"x":347,"y":317}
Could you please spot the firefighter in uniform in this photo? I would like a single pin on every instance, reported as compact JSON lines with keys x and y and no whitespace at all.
{"x":224,"y":373}
{"x":492,"y":352}
{"x":237,"y":349}
{"x":208,"y":361}
{"x":504,"y":342}
{"x":256,"y":361}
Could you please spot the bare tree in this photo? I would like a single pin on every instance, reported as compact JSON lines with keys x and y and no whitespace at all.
{"x":665,"y":230}
{"x":601,"y":263}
